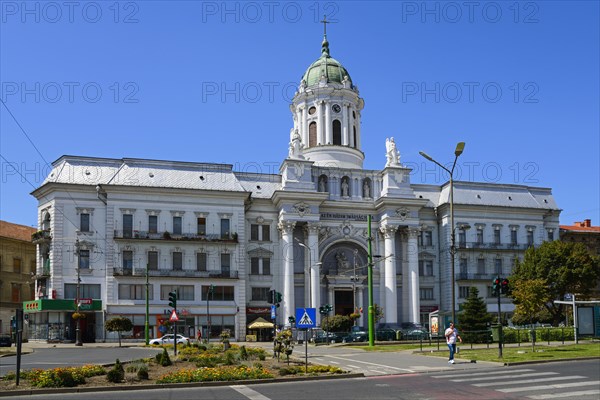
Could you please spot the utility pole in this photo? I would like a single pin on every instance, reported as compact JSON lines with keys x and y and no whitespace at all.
{"x":146,"y":330}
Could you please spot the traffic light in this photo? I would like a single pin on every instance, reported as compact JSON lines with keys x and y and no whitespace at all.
{"x":322,"y":310}
{"x":504,"y":286}
{"x":329,"y":307}
{"x":496,"y":286}
{"x":272,"y":296}
{"x":278,"y":298}
{"x":292,"y":319}
{"x":173,"y":299}
{"x":325,"y":309}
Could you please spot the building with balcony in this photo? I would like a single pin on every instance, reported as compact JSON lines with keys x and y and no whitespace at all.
{"x":302,"y":232}
{"x":17,"y":266}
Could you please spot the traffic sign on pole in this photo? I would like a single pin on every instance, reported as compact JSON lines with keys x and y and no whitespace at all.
{"x":306,"y":317}
{"x":174,"y":317}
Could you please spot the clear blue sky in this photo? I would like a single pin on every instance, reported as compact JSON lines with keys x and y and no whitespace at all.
{"x":212,"y":82}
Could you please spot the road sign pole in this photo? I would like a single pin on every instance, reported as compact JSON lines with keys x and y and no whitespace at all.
{"x":306,"y":351}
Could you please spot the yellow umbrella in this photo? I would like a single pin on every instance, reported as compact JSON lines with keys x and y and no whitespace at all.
{"x":260,"y":323}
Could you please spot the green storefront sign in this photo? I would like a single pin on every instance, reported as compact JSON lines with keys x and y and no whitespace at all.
{"x":59,"y":305}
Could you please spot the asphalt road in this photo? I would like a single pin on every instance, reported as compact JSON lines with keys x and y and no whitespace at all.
{"x":558,"y":380}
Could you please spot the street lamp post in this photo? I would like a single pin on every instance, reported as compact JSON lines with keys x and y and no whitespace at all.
{"x":457,"y":152}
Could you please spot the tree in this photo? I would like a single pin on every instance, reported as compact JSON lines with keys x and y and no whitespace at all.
{"x":566,"y":268}
{"x":119,"y":325}
{"x":474,"y":319}
{"x":377,"y":313}
{"x":337,"y":323}
{"x":530,"y":297}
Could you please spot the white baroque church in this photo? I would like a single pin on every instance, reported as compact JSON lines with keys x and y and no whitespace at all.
{"x":110,"y":228}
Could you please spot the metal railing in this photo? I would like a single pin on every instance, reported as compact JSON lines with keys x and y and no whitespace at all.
{"x":146,"y":235}
{"x":182,"y":273}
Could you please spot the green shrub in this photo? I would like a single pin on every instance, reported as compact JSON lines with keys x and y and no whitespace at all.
{"x":243,"y":353}
{"x":262,"y":357}
{"x":257,"y":365}
{"x":117,"y":373}
{"x":142,"y":372}
{"x":165,"y":360}
{"x":230,"y":357}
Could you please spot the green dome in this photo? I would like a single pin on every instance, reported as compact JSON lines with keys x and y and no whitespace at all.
{"x":325,"y":65}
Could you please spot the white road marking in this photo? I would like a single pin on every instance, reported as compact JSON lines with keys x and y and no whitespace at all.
{"x":504,"y":377}
{"x":566,"y":394}
{"x":545,"y":387}
{"x":553,"y":378}
{"x":370,"y":363}
{"x":352,"y":366}
{"x":485,"y":373}
{"x":249,"y":393}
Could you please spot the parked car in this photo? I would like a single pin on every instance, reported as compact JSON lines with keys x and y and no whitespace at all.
{"x":415,"y":334}
{"x":169,"y":339}
{"x":5,"y":341}
{"x":330,"y":337}
{"x":357,"y":334}
{"x":385,"y":334}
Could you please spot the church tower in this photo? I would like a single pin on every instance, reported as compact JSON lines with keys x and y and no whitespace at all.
{"x":326,"y":111}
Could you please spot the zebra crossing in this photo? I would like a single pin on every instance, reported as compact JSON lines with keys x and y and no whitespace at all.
{"x":531,"y":384}
{"x":364,"y":367}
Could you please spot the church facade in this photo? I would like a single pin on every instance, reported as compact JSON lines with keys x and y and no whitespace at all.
{"x":223,"y":239}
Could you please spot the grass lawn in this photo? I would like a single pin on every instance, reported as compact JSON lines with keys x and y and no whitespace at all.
{"x":509,"y":354}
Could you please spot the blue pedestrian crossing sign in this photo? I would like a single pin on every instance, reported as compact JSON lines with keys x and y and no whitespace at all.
{"x":306,"y":317}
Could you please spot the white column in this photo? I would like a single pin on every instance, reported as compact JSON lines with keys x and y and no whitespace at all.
{"x":345,"y":140}
{"x":320,"y":131}
{"x":328,"y":135}
{"x":359,"y":304}
{"x":305,"y":125}
{"x":405,"y":286}
{"x":350,"y":124}
{"x":315,"y":271}
{"x":413,"y":275}
{"x":357,"y":130}
{"x":287,"y":244}
{"x":391,"y":295}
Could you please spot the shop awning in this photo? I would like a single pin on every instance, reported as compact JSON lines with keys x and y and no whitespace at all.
{"x":61,"y":305}
{"x":260,"y":323}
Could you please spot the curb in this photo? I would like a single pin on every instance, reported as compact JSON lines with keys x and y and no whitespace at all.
{"x":29,"y":392}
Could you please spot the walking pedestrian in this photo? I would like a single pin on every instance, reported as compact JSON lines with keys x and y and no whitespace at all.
{"x":451,"y":337}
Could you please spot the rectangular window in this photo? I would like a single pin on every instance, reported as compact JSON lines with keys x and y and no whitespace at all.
{"x":152,"y":223}
{"x":201,"y":261}
{"x":254,"y":266}
{"x":201,"y":226}
{"x":260,"y":294}
{"x":497,"y":236}
{"x":489,"y":292}
{"x":427,"y":238}
{"x":225,"y":232}
{"x":153,"y":260}
{"x":266,"y":233}
{"x":84,"y":259}
{"x":127,"y":225}
{"x":15,"y":292}
{"x":225,"y":264}
{"x":479,"y":236}
{"x":425,"y":268}
{"x":254,"y":232}
{"x":266,"y":264}
{"x":177,"y":261}
{"x":463,"y":267}
{"x":222,"y":293}
{"x":462,"y":238}
{"x":127,"y":260}
{"x":86,"y":291}
{"x":17,"y":265}
{"x":513,"y":237}
{"x":498,"y":266}
{"x":184,"y":292}
{"x":177,"y":225}
{"x":481,"y":266}
{"x":135,"y":292}
{"x":84,"y":222}
{"x":550,"y":235}
{"x":426,"y":293}
{"x":530,"y":238}
{"x":463,"y":292}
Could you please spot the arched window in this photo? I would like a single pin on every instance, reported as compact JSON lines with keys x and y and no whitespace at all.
{"x":322,"y":184}
{"x":337,"y":132}
{"x":355,"y":142}
{"x":312,"y":134}
{"x":46,"y":221}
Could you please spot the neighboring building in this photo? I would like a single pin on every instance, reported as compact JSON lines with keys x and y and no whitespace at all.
{"x":582,"y":232}
{"x":17,"y":266}
{"x":302,"y":232}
